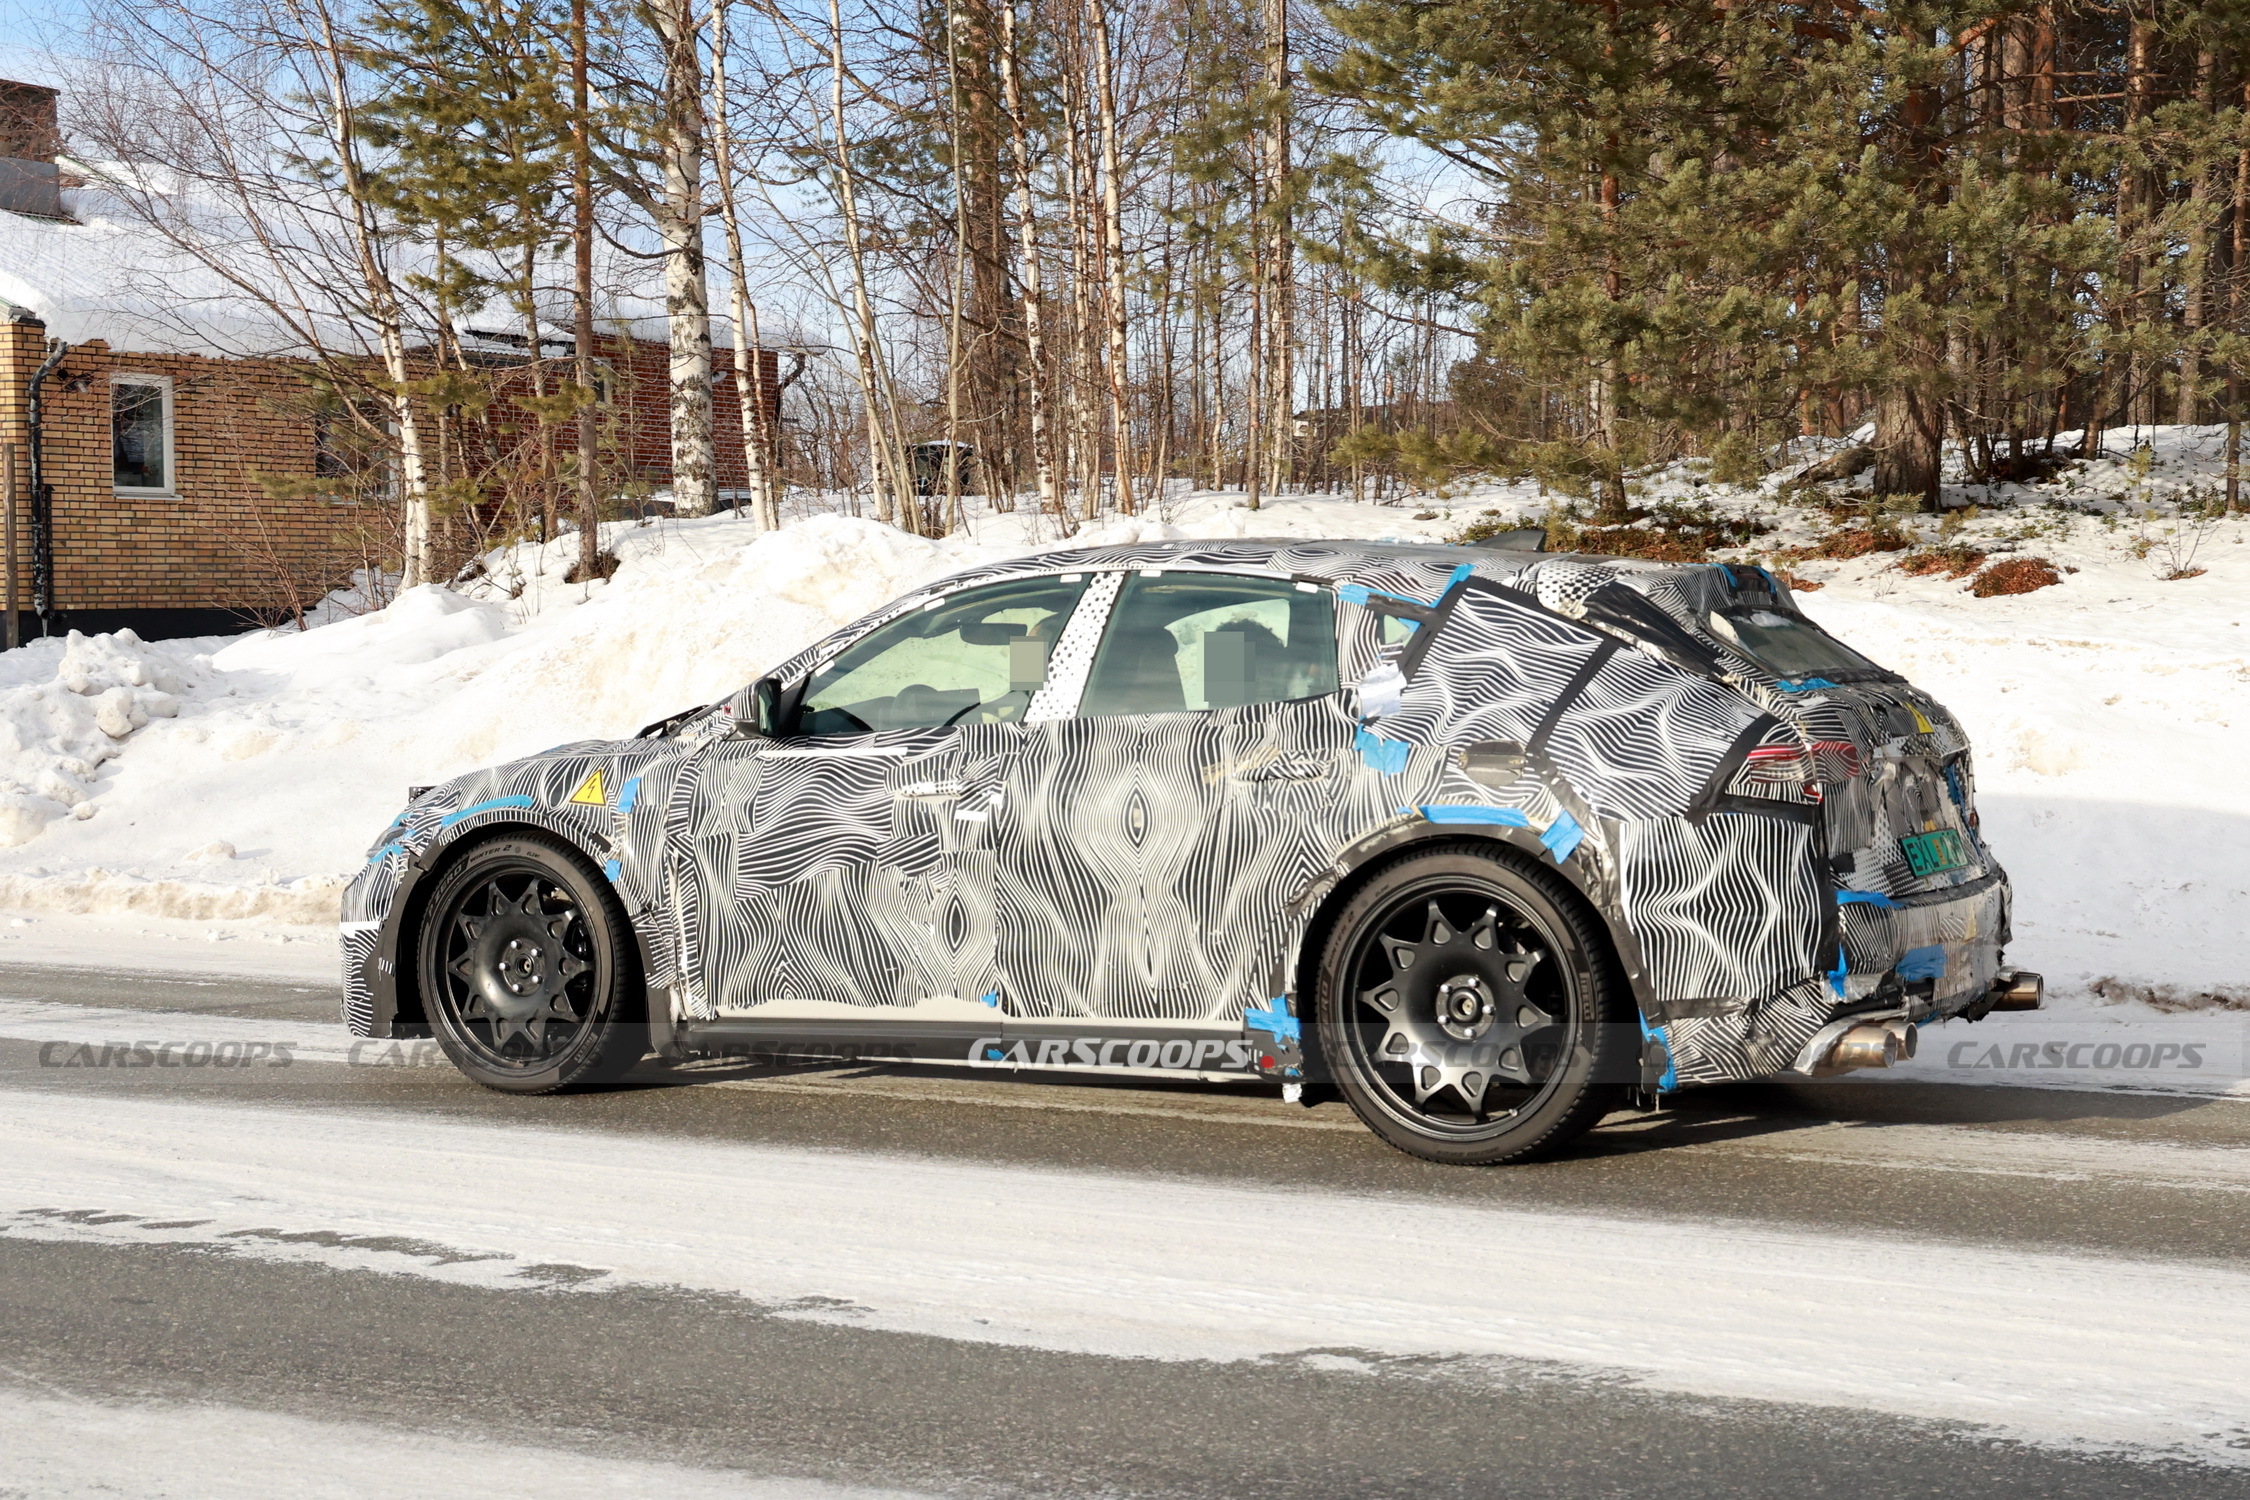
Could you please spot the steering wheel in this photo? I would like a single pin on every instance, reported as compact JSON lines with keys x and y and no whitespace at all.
{"x":991,"y":711}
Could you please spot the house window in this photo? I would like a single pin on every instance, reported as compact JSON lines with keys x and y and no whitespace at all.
{"x":140,"y":434}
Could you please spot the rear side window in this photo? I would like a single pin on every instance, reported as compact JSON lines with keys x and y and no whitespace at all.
{"x":1789,"y":645}
{"x":1182,"y":642}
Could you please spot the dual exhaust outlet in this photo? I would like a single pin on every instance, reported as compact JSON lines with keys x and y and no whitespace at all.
{"x":1889,"y":1042}
{"x":1870,"y":1044}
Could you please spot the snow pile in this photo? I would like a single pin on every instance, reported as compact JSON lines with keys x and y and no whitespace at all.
{"x":285,"y":752}
{"x":2110,"y":712}
{"x":56,"y":734}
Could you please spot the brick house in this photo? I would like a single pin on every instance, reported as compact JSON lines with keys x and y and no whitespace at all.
{"x":161,"y":458}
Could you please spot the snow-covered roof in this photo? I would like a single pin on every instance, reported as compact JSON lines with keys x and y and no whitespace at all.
{"x":106,"y":273}
{"x":105,"y":277}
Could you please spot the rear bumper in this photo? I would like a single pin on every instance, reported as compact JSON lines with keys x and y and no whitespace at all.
{"x":1914,"y":959}
{"x":1933,"y":955}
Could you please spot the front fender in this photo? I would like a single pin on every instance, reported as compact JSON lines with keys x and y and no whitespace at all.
{"x":590,"y":797}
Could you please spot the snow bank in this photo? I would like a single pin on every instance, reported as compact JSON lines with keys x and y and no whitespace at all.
{"x":56,"y":734}
{"x":233,"y":779}
{"x":226,"y":779}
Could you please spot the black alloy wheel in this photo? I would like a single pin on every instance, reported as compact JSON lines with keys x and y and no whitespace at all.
{"x":1469,"y":1009}
{"x":527,"y":969}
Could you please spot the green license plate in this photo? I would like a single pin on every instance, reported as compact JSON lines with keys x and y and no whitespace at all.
{"x":1935,"y":853}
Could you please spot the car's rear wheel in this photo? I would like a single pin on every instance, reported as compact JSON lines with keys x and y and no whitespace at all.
{"x":528,"y":970}
{"x":1470,"y":1010}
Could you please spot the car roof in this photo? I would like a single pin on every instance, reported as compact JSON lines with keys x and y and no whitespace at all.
{"x":1330,"y":559}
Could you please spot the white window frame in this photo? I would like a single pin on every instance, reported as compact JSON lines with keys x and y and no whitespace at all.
{"x":171,"y":487}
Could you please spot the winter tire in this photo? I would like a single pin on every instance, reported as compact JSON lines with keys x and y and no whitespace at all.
{"x":528,"y":972}
{"x":1470,"y":1010}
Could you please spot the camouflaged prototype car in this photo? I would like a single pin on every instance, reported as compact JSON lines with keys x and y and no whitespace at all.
{"x":1488,"y":840}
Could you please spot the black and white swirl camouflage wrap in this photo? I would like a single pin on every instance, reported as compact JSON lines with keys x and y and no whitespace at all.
{"x":1162,"y":870}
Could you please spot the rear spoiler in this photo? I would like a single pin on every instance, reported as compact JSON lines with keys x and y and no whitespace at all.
{"x":1525,"y":539}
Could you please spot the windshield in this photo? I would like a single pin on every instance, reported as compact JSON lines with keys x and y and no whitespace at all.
{"x":1789,"y":646}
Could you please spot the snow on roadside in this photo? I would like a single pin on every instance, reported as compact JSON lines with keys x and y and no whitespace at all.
{"x":2071,"y":1349}
{"x":54,"y":1444}
{"x":285,"y":752}
{"x":2111,"y":712}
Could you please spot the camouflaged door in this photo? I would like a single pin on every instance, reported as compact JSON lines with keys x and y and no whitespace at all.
{"x":860,"y":850}
{"x":1214,"y":708}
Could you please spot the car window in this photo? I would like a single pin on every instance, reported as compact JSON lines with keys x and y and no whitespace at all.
{"x":1179,"y":642}
{"x":1789,"y":645}
{"x":973,"y":657}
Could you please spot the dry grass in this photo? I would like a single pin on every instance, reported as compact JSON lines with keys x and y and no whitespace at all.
{"x":1956,"y":561}
{"x":2016,"y":575}
{"x":1659,"y":533}
{"x":1847,"y":542}
{"x":2170,"y":998}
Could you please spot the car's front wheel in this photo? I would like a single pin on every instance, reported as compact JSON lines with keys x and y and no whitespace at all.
{"x":1470,"y":1010}
{"x":528,"y":969}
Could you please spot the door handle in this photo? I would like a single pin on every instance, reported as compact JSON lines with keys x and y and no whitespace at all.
{"x":1289,"y":768}
{"x":929,"y":791}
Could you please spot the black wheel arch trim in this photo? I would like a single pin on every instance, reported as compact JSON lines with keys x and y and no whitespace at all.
{"x":391,"y":984}
{"x":1586,"y":873}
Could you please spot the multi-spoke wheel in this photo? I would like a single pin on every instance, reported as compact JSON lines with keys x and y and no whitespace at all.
{"x":1468,"y":1008}
{"x":526,"y":968}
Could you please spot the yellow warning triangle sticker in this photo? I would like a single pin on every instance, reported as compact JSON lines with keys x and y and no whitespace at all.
{"x":590,"y":791}
{"x":1921,"y":720}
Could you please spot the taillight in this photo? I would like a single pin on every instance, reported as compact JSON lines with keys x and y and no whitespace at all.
{"x":1829,"y":762}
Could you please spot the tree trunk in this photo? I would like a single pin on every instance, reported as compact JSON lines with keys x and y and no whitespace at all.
{"x":894,"y":493}
{"x":993,"y":338}
{"x":1281,"y":261}
{"x":582,"y":295}
{"x":1027,"y":237}
{"x":383,"y":304}
{"x":1909,"y":441}
{"x":687,"y":293}
{"x":1113,"y":254}
{"x":749,"y":373}
{"x":2195,"y":270}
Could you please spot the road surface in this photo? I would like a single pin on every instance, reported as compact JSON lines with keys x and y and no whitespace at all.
{"x":316,"y":1271}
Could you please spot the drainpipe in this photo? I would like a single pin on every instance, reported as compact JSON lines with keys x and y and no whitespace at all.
{"x":42,"y":497}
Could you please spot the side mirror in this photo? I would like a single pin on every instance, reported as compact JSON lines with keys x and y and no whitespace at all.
{"x":757,"y":708}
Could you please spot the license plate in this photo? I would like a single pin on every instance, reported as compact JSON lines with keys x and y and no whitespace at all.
{"x":1935,"y":853}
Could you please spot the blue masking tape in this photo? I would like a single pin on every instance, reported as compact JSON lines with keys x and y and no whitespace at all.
{"x":1563,"y":836}
{"x":1506,"y":817}
{"x":1379,"y":754}
{"x":1277,"y":1020}
{"x":495,"y":805}
{"x":1922,"y":963}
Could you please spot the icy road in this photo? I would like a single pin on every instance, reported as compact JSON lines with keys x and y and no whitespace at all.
{"x":327,"y":1271}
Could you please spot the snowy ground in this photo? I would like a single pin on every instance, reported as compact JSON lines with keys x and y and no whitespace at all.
{"x":57,"y":1445}
{"x":2078,"y":1350}
{"x":202,"y":802}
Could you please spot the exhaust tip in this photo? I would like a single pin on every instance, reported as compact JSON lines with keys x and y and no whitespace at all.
{"x":1871,"y":1045}
{"x":2018,"y":989}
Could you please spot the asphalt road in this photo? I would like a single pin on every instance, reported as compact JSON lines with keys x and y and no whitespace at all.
{"x":721,"y":1383}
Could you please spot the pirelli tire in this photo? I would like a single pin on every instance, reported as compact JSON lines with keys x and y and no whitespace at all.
{"x":1470,"y":1010}
{"x":528,"y":970}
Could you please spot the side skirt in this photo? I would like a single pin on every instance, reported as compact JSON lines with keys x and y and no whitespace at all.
{"x":1035,"y":1046}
